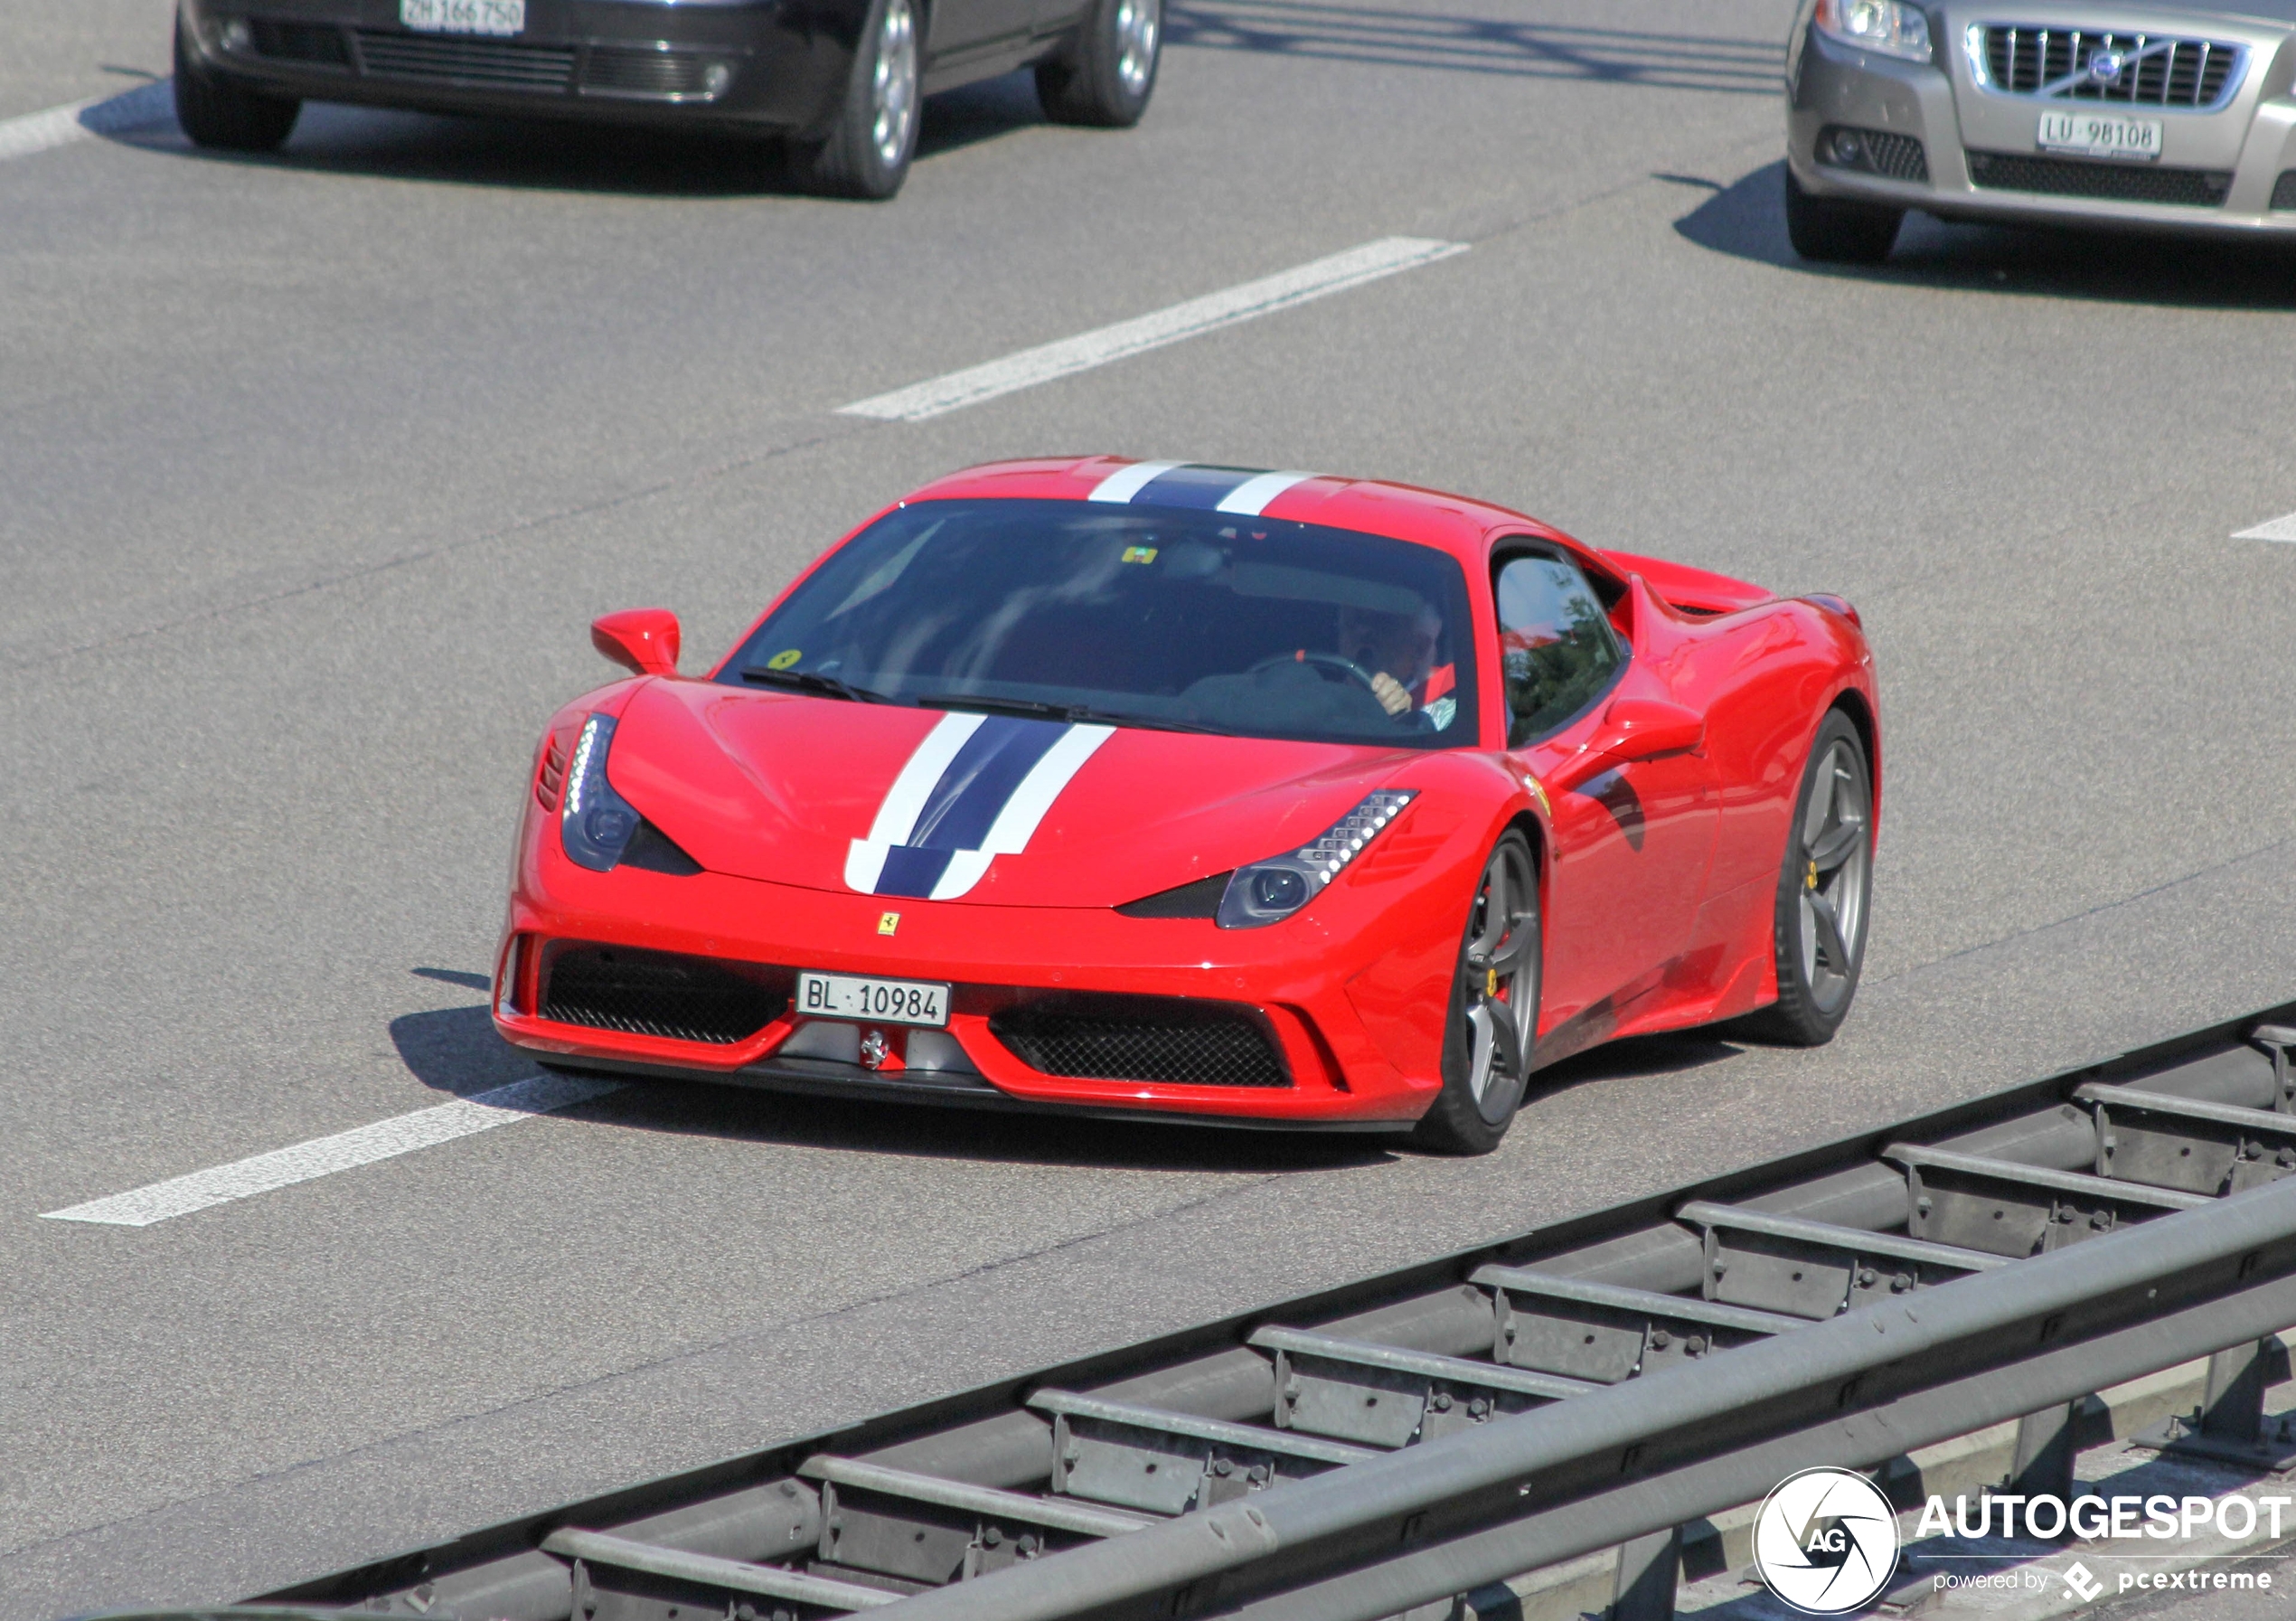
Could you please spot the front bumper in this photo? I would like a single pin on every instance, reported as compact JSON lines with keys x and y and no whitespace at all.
{"x":1351,"y":996}
{"x":744,"y":65}
{"x":1934,"y":139}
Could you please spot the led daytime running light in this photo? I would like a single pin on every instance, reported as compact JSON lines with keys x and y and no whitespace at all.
{"x":594,"y":824}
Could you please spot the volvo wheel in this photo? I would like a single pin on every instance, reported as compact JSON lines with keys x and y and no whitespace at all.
{"x":1107,"y":77}
{"x":218,"y":110}
{"x":1823,"y":889}
{"x":868,"y":150}
{"x":1494,"y":1009}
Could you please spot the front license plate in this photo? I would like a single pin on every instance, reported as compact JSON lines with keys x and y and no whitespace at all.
{"x":463,"y":16}
{"x":2100,"y":134}
{"x":886,"y":1001}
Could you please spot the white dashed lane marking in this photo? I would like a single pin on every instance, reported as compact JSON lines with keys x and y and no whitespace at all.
{"x":2279,"y":529}
{"x":344,"y":1151}
{"x":147,"y":104}
{"x":1193,"y":318}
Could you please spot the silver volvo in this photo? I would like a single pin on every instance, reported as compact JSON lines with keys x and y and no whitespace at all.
{"x":2164,"y":116}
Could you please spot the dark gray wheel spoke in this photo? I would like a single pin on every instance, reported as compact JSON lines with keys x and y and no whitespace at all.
{"x":1837,"y":846}
{"x":1829,"y":940}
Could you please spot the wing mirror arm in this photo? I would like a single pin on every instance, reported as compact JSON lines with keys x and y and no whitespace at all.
{"x":1632,"y":728}
{"x":642,"y":640}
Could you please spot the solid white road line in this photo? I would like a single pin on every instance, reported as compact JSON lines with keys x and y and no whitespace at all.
{"x":2279,"y":529}
{"x":1264,"y":297}
{"x":153,"y":103}
{"x":323,"y":1157}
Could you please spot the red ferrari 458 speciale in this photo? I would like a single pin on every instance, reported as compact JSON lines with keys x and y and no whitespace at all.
{"x":1202,"y":794}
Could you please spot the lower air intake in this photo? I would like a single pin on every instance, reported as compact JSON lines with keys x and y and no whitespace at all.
{"x":2118,"y":183}
{"x":457,"y":59}
{"x":655,"y":994}
{"x":626,"y":72}
{"x":1168,"y":1039}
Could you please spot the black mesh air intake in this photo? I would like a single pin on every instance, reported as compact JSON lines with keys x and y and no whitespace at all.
{"x":2120,"y":183}
{"x":656,"y":993}
{"x":2284,"y":190}
{"x":1169,"y":1038}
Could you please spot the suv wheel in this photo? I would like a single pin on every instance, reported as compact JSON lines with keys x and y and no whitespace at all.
{"x":1836,"y":230}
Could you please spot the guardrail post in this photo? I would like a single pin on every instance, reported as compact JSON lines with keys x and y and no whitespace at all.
{"x":2230,"y":1426}
{"x":1647,"y":1568}
{"x":2042,"y":1465}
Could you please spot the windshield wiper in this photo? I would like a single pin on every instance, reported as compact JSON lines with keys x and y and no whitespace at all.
{"x":1038,"y":709}
{"x":814,"y":682}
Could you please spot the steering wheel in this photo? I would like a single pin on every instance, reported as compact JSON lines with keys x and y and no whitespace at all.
{"x":1346,"y":667}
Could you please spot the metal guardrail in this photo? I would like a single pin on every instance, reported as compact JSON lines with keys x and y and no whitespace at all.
{"x":1417,"y":1436}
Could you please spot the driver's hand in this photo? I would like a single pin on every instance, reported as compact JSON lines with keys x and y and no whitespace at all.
{"x":1393,"y":696}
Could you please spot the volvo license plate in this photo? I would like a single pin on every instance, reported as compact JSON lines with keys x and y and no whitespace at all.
{"x":463,"y":16}
{"x":2100,"y":134}
{"x":863,"y":996}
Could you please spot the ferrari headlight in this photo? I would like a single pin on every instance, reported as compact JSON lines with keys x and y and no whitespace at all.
{"x":594,"y":824}
{"x":1889,"y":27}
{"x":1271,"y":890}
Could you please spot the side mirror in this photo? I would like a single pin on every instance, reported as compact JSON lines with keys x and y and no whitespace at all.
{"x":1632,"y":728}
{"x":643,"y":640}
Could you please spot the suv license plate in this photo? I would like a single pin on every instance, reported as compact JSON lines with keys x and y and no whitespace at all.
{"x":463,"y":16}
{"x":2100,"y":134}
{"x":886,"y":1001}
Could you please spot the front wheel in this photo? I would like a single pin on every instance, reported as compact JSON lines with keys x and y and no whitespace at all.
{"x":1819,"y":925}
{"x":867,"y":151}
{"x":1494,"y":1009}
{"x":1105,"y":78}
{"x":1839,"y":230}
{"x":219,"y":111}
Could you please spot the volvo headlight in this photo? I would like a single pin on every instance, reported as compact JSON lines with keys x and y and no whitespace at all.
{"x":1888,"y":27}
{"x":594,"y":824}
{"x":1271,"y":890}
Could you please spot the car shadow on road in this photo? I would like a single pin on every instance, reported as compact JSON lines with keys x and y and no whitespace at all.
{"x":547,"y":154}
{"x":1746,"y":219}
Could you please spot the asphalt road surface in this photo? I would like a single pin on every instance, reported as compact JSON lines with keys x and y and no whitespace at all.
{"x":314,"y":469}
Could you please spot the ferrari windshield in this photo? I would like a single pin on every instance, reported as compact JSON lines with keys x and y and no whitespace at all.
{"x":1153,"y":616}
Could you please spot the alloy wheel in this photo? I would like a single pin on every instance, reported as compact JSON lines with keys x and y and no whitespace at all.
{"x":892,"y":90}
{"x":1138,"y":23}
{"x":1837,"y":857}
{"x":1503,"y":992}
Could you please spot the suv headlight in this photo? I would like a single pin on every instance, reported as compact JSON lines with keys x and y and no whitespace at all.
{"x":594,"y":824}
{"x":1888,"y":27}
{"x":1271,"y":890}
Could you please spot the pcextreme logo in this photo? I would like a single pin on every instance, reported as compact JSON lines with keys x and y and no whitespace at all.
{"x":1825,"y":1541}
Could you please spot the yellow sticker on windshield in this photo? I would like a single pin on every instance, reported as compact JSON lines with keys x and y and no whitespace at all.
{"x":1140,"y":554}
{"x":785,"y":658}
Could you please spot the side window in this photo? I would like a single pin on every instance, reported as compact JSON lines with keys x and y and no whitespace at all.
{"x":1556,"y":646}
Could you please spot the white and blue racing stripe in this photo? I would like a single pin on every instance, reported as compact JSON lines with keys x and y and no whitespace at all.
{"x":1245,"y":491}
{"x":974,"y":789}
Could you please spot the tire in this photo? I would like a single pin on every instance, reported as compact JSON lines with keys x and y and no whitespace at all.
{"x":1838,"y":230}
{"x":1825,"y":886}
{"x":1493,"y":1011}
{"x":868,"y":150}
{"x":1104,"y":79}
{"x":227,"y":113}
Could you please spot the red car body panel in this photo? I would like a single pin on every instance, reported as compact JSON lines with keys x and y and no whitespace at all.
{"x":1659,"y":875}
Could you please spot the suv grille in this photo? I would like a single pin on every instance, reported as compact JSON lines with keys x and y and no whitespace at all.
{"x":457,"y":59}
{"x":626,"y":72}
{"x":2153,"y":71}
{"x":1168,"y":1039}
{"x":2122,"y":183}
{"x":656,"y":993}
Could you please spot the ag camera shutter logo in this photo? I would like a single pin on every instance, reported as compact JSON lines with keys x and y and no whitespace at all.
{"x":1825,"y":1541}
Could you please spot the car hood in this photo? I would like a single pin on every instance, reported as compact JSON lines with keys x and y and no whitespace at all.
{"x":888,"y":799}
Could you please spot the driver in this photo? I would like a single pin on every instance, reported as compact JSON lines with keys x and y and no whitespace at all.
{"x":1401,"y":648}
